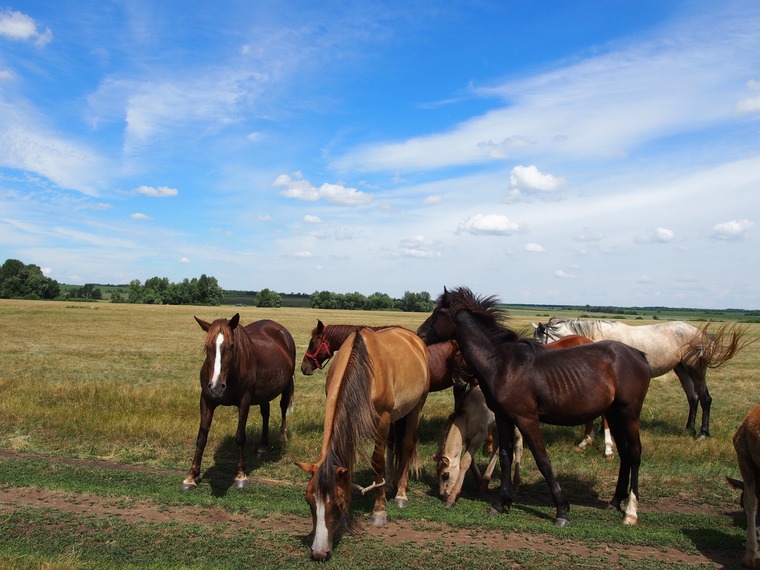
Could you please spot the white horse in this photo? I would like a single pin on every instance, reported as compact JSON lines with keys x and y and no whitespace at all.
{"x":467,"y":429}
{"x":673,"y":345}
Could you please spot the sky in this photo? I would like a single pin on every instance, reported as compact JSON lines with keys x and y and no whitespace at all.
{"x":549,"y":152}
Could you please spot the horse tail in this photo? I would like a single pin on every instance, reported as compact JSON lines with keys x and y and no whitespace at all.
{"x":354,"y":417}
{"x":711,"y":350}
{"x":395,"y":443}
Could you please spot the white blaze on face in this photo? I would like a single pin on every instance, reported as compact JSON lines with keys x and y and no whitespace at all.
{"x":217,"y":363}
{"x":321,"y":542}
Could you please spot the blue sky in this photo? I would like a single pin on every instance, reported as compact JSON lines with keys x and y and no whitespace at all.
{"x":546,"y":152}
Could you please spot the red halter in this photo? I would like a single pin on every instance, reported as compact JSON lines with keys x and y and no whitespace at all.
{"x":313,"y":356}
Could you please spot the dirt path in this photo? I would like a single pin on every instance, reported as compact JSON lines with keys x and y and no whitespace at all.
{"x":412,"y":533}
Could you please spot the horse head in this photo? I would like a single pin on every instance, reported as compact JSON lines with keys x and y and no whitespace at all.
{"x":439,"y":326}
{"x":318,"y":351}
{"x":220,"y":351}
{"x":328,"y":509}
{"x":448,"y":472}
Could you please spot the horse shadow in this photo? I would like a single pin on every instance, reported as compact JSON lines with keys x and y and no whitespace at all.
{"x":720,"y":548}
{"x":220,"y":476}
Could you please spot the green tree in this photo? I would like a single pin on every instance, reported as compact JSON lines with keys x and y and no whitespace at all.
{"x":416,"y":302}
{"x":268,"y":298}
{"x":379,"y":302}
{"x":18,"y":280}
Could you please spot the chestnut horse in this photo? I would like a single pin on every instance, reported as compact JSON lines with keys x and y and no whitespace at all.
{"x":447,"y":368}
{"x":244,"y":366}
{"x":376,"y":388}
{"x":674,"y":345}
{"x":524,"y":384}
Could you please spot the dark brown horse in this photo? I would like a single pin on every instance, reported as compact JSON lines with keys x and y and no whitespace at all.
{"x":524,"y":384}
{"x":447,"y":368}
{"x":244,"y":366}
{"x":375,"y":388}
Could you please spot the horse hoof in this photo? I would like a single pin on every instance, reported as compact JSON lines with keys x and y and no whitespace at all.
{"x":450,"y":504}
{"x":241,"y":482}
{"x":401,"y":502}
{"x":187,"y":486}
{"x":378,"y":519}
{"x":560,"y":522}
{"x":630,"y":520}
{"x":494,"y":510}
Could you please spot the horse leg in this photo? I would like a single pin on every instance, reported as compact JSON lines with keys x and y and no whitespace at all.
{"x":588,"y":436}
{"x":408,"y":447}
{"x":264,"y":445}
{"x":207,"y":414}
{"x":532,"y":434}
{"x":286,"y":402}
{"x":750,"y":510}
{"x":517,"y":460}
{"x":691,"y":396}
{"x":625,"y":430}
{"x":505,"y":428}
{"x":379,"y":513}
{"x":245,"y":405}
{"x":467,"y":463}
{"x":607,"y":438}
{"x":698,"y":377}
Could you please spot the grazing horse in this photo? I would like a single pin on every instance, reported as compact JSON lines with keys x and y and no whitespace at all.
{"x":447,"y":368}
{"x":375,"y":388}
{"x":244,"y":366}
{"x":524,"y":384}
{"x":674,"y":345}
{"x":467,"y":429}
{"x":747,"y":446}
{"x":588,"y":435}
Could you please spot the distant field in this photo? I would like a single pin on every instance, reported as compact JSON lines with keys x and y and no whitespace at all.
{"x":100,"y":406}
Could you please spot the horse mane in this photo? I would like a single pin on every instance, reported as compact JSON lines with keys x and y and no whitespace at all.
{"x":583,"y":327}
{"x":337,"y":332}
{"x":487,"y":312}
{"x":354,"y":417}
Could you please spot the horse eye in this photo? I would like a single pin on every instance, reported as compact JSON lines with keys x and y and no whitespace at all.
{"x":445,"y":476}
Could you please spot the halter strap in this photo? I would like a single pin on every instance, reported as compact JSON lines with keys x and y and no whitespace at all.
{"x":313,"y":356}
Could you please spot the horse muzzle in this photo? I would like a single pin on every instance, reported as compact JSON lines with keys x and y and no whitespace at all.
{"x":216,"y":391}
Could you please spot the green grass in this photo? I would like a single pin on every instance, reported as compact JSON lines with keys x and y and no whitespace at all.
{"x":119,"y":383}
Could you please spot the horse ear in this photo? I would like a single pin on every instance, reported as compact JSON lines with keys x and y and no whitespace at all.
{"x":535,"y":325}
{"x":233,"y":322}
{"x":204,"y":325}
{"x":320,"y":326}
{"x":310,"y":468}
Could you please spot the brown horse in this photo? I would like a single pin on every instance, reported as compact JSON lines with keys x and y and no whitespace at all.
{"x":588,"y":435}
{"x":524,"y":384}
{"x":447,"y":367}
{"x":375,"y":389}
{"x":244,"y":366}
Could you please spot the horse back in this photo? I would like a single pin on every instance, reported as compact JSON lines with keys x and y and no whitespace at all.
{"x":271,"y":358}
{"x":400,"y":370}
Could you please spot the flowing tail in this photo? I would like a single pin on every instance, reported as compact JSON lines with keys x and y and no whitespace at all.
{"x":711,"y":350}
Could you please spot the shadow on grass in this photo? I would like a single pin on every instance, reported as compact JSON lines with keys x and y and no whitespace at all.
{"x":718,"y":547}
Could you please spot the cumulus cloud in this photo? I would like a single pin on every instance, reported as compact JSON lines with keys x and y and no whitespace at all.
{"x":265,"y":218}
{"x":529,"y":180}
{"x":299,"y":188}
{"x":534,"y":248}
{"x":419,"y":246}
{"x":659,"y":235}
{"x":560,"y":274}
{"x":732,"y":230}
{"x":312,"y":219}
{"x":433,"y":199}
{"x":489,"y":224}
{"x":183,"y":260}
{"x":302,"y":254}
{"x":156,"y":192}
{"x":588,"y":236}
{"x":140,"y":216}
{"x":20,"y":27}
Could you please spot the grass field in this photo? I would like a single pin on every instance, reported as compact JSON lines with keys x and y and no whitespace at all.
{"x":99,"y":413}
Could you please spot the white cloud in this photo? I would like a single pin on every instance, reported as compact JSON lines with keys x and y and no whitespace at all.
{"x":265,"y":218}
{"x":183,"y":260}
{"x":732,"y":230}
{"x":300,"y":189}
{"x":534,"y":248}
{"x":559,"y":273}
{"x":433,"y":199}
{"x":659,"y":235}
{"x":20,"y":27}
{"x":312,"y":219}
{"x":140,"y":216}
{"x":153,"y":192}
{"x":419,"y":246}
{"x":528,"y":179}
{"x":489,"y":224}
{"x":302,"y":254}
{"x":748,"y":105}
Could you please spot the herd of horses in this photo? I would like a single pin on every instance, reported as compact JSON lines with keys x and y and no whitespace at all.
{"x":570,"y":373}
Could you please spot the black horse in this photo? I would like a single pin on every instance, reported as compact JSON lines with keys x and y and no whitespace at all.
{"x":525,"y":384}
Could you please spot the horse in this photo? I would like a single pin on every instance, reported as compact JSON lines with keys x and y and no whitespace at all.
{"x":244,"y":366}
{"x":747,"y":446}
{"x":468,"y":428}
{"x":447,"y":368}
{"x":524,"y":384}
{"x":588,"y":434}
{"x":376,"y":388}
{"x":673,"y":345}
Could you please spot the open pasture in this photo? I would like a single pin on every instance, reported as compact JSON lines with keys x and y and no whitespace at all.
{"x":99,"y":413}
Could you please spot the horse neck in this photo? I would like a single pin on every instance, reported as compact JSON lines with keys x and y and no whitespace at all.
{"x":453,"y":442}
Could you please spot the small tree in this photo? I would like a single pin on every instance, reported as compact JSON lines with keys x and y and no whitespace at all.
{"x":268,"y":298}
